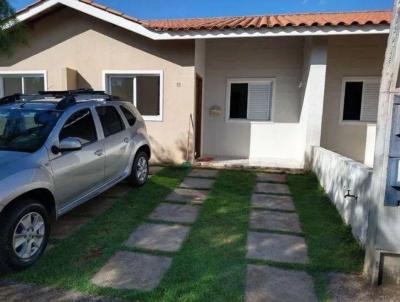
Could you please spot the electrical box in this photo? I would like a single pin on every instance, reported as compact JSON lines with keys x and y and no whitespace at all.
{"x":392,"y":196}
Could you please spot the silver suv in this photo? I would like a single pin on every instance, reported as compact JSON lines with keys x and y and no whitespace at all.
{"x":58,"y":150}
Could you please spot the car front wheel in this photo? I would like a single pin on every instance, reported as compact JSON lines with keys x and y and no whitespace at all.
{"x":24,"y":234}
{"x":140,"y":169}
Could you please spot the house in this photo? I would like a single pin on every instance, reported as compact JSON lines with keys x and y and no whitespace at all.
{"x":263,"y":88}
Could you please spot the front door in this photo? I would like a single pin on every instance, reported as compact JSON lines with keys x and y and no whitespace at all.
{"x":76,"y":173}
{"x":116,"y":142}
{"x":198,"y":115}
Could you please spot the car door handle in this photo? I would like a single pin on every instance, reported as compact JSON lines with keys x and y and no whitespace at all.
{"x":126,"y":140}
{"x":99,"y":152}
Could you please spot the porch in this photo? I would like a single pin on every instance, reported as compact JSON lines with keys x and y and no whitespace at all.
{"x":304,"y":82}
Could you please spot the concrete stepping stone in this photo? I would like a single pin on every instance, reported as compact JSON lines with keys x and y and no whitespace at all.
{"x":127,"y":270}
{"x":273,"y":202}
{"x":188,"y":195}
{"x":263,"y":187}
{"x":205,"y":173}
{"x":175,"y":213}
{"x":158,"y":237}
{"x":155,"y":169}
{"x":197,"y":183}
{"x":276,"y":247}
{"x":266,"y":283}
{"x":66,"y":226}
{"x":277,"y":221}
{"x":269,"y":177}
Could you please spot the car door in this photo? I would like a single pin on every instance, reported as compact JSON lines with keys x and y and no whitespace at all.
{"x":77,"y":173}
{"x":116,"y":142}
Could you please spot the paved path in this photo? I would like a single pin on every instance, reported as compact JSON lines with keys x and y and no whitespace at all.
{"x":141,"y":266}
{"x":275,"y":236}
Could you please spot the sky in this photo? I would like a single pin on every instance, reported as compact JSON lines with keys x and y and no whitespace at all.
{"x":163,"y":9}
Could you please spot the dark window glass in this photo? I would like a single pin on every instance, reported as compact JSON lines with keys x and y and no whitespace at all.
{"x":110,"y":120}
{"x":148,"y":95}
{"x":238,"y":108}
{"x":129,"y":116}
{"x":81,"y":126}
{"x":352,"y":101}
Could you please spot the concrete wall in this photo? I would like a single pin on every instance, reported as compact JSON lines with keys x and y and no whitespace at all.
{"x":350,"y":56}
{"x":68,"y":39}
{"x":280,"y":141}
{"x":337,"y":174}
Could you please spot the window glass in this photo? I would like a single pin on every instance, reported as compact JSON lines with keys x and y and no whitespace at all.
{"x":81,"y":126}
{"x":25,"y":130}
{"x":352,"y":101}
{"x":128,"y":115}
{"x":110,"y":120}
{"x":122,"y":87}
{"x":148,"y":95}
{"x":238,"y":105}
{"x":12,"y":85}
{"x":33,"y":84}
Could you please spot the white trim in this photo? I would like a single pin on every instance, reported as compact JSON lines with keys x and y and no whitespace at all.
{"x":22,"y":73}
{"x":129,"y":73}
{"x":204,"y":34}
{"x":342,"y":94}
{"x":248,"y":80}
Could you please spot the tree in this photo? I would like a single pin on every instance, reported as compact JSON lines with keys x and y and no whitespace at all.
{"x":12,"y":32}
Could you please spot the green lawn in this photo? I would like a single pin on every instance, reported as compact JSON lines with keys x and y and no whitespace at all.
{"x":211,"y":265}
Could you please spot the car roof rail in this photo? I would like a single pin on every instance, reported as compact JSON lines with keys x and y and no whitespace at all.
{"x":10,"y":99}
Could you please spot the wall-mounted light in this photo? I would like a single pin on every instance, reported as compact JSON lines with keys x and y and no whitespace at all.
{"x":215,"y":111}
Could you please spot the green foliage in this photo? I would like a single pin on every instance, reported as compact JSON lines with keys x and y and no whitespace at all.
{"x":12,"y":32}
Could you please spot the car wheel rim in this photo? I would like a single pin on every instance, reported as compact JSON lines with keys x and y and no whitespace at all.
{"x":29,"y":235}
{"x":141,"y":169}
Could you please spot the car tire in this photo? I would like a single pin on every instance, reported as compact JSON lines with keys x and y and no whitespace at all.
{"x":140,"y":169}
{"x":24,"y":234}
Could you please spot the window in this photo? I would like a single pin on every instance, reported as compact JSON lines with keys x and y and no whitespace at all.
{"x":110,"y":120}
{"x":21,"y":83}
{"x":128,"y":115}
{"x":360,"y":99}
{"x":250,"y":99}
{"x":143,"y":89}
{"x":80,"y":125}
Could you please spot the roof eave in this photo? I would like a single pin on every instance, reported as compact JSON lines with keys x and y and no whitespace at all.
{"x":134,"y":26}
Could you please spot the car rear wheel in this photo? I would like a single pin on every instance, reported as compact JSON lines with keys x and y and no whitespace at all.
{"x":140,"y":169}
{"x":24,"y":233}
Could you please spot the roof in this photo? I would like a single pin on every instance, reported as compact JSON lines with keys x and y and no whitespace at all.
{"x":270,"y":21}
{"x":244,"y":22}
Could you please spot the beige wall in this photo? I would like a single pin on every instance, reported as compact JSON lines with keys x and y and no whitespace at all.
{"x":350,"y":56}
{"x":68,"y":39}
{"x":280,"y":58}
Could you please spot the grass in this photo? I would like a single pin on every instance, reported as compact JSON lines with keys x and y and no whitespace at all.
{"x":211,"y":264}
{"x":331,"y":246}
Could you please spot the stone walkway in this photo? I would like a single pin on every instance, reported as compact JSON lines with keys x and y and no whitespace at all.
{"x":275,"y":235}
{"x":150,"y":247}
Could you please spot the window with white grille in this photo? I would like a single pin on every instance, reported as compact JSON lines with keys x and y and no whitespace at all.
{"x":360,"y":99}
{"x":250,"y":99}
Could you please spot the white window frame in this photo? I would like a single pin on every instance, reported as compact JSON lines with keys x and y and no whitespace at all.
{"x":354,"y":79}
{"x":22,"y":73}
{"x":248,"y":81}
{"x":107,"y":74}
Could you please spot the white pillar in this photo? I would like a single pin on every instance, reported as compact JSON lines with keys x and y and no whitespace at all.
{"x":314,"y":91}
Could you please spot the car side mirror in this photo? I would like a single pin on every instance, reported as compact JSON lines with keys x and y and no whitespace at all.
{"x":67,"y":144}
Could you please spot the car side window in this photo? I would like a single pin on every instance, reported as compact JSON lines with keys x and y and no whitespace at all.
{"x":110,"y":120}
{"x":80,"y":125}
{"x":128,"y":115}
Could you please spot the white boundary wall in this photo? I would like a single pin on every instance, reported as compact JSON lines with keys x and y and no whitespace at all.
{"x":337,"y":174}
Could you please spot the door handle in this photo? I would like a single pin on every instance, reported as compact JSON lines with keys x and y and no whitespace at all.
{"x":126,"y":140}
{"x":99,"y":152}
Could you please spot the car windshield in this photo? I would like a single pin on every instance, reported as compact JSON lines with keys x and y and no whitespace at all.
{"x":25,"y":130}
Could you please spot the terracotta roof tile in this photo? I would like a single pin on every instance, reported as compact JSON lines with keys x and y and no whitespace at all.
{"x":255,"y":22}
{"x":314,"y":19}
